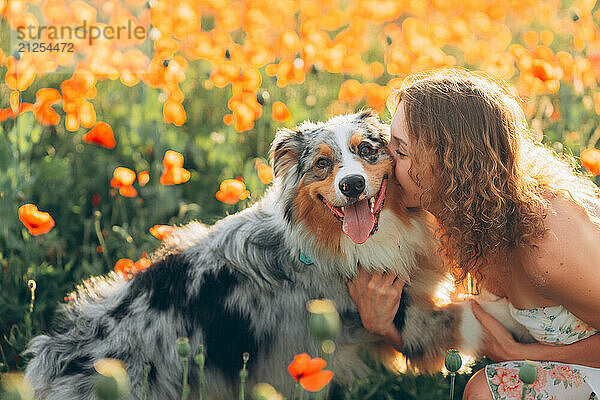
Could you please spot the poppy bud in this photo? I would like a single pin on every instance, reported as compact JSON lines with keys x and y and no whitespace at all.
{"x":453,"y":360}
{"x":106,"y":387}
{"x":183,"y":347}
{"x":324,"y":321}
{"x":199,"y":358}
{"x":111,"y":382}
{"x":264,"y":391}
{"x":528,"y":373}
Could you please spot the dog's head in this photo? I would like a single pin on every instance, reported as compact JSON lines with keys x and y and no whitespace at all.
{"x":335,"y":175}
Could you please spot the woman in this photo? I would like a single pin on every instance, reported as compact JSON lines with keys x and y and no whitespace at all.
{"x":513,"y":215}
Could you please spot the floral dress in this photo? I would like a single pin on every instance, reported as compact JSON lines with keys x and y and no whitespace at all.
{"x":556,"y":381}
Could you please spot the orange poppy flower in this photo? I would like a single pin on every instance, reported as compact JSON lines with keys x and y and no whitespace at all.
{"x":351,"y":91}
{"x":174,"y":176}
{"x":231,"y":191}
{"x":280,"y":112}
{"x":543,"y":70}
{"x":142,"y":263}
{"x":122,"y":177}
{"x":127,"y":268}
{"x":174,"y":112}
{"x":309,"y":372}
{"x":87,"y":114}
{"x":143,"y":178}
{"x":172,"y":159}
{"x":15,"y":100}
{"x":127,"y":191}
{"x":123,"y":267}
{"x":590,"y":158}
{"x":174,"y":172}
{"x":161,"y":231}
{"x":36,"y":222}
{"x":265,"y":173}
{"x":102,"y":135}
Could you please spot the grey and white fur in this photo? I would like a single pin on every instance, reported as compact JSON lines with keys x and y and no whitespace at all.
{"x":239,"y":286}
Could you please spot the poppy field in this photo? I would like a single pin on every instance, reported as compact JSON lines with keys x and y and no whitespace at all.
{"x":108,"y":141}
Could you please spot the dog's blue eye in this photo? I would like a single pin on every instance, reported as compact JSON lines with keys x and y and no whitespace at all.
{"x":322,"y":163}
{"x":365,"y":150}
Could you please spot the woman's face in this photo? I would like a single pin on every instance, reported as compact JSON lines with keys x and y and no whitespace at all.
{"x":398,"y":147}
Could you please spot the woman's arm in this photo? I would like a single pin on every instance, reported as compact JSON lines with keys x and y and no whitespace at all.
{"x":499,"y":345}
{"x":584,"y":352}
{"x":377,"y":297}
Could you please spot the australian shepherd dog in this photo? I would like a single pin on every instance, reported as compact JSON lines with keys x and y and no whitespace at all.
{"x":242,"y":285}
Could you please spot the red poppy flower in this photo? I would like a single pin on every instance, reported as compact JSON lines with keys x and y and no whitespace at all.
{"x":102,"y":135}
{"x":123,"y":267}
{"x":161,"y":231}
{"x":127,"y":268}
{"x":309,"y":372}
{"x":36,"y":222}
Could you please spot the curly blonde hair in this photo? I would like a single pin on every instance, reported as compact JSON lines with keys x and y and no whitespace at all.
{"x":490,"y":180}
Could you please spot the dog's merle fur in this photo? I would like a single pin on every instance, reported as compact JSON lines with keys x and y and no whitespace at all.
{"x":239,"y":286}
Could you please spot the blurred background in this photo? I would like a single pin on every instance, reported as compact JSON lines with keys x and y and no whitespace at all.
{"x":104,"y":139}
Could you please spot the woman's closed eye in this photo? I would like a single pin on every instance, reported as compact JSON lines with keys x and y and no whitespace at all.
{"x":401,"y":154}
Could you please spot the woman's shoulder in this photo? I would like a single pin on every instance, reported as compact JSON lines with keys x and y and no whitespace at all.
{"x":570,"y":240}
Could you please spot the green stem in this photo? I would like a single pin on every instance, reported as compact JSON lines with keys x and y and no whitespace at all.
{"x":199,"y":359}
{"x":525,"y":387}
{"x":242,"y":384}
{"x":98,"y":229}
{"x":297,"y":391}
{"x":452,"y":378}
{"x":145,"y":386}
{"x":186,"y":391}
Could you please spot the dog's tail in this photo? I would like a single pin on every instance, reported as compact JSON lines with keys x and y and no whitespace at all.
{"x":43,"y":366}
{"x":61,"y":367}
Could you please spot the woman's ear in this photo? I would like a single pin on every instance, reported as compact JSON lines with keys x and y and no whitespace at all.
{"x":285,"y":151}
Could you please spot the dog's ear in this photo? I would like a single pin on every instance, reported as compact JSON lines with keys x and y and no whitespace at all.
{"x":377,"y":130}
{"x":368,"y":115}
{"x":285,"y":150}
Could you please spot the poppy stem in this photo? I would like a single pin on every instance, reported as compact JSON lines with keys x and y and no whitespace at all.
{"x":243,"y":375}
{"x":298,"y":391}
{"x":524,"y":392}
{"x":452,"y":378}
{"x":98,"y":229}
{"x":145,"y":386}
{"x":199,"y":360}
{"x":186,"y":388}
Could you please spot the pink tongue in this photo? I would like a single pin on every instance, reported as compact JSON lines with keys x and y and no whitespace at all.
{"x":358,"y":221}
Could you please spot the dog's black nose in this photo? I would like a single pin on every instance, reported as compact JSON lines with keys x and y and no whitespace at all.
{"x":352,"y":185}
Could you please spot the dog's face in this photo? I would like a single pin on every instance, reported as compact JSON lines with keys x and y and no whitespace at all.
{"x":335,"y":175}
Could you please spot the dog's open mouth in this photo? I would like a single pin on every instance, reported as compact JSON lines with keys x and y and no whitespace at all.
{"x":360,"y":219}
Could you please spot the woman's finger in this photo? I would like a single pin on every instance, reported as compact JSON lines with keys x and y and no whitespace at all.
{"x":389,"y":278}
{"x":398,"y":284}
{"x":487,"y":320}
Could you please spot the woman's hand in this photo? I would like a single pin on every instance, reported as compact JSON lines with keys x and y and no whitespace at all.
{"x":498,"y":343}
{"x":377,"y":297}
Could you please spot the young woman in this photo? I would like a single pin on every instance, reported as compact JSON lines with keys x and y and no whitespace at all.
{"x":511,"y":213}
